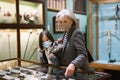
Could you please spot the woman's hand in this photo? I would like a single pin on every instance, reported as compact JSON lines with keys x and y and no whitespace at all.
{"x":59,"y":40}
{"x":69,"y":70}
{"x":50,"y":55}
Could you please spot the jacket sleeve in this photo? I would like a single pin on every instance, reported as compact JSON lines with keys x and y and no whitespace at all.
{"x":79,"y":45}
{"x":43,"y":58}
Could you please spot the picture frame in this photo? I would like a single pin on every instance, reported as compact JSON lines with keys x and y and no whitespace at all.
{"x":79,"y":6}
{"x":56,"y":5}
{"x":56,"y":27}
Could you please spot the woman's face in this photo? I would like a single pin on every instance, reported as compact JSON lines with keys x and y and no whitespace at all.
{"x":46,"y":43}
{"x":65,"y":22}
{"x":44,"y":38}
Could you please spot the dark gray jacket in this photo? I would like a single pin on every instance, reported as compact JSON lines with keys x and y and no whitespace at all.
{"x":75,"y":52}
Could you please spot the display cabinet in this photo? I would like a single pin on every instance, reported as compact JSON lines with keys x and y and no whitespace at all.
{"x":104,"y":31}
{"x":29,"y":44}
{"x":8,"y":41}
{"x":30,"y":13}
{"x":8,"y":11}
{"x":37,"y":71}
{"x":21,"y":22}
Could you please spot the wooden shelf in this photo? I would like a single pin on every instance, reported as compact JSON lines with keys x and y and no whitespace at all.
{"x":103,"y":64}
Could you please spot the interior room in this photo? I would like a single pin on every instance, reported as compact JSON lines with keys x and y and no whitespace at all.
{"x":22,"y":26}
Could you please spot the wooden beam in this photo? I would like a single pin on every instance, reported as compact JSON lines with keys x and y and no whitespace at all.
{"x":91,"y":30}
{"x":97,"y":33}
{"x":105,"y":1}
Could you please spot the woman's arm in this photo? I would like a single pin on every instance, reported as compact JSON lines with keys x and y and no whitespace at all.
{"x":43,"y":58}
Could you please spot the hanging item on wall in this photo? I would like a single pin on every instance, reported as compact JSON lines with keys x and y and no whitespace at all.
{"x":56,"y":26}
{"x":56,"y":5}
{"x":79,"y":6}
{"x":116,"y":17}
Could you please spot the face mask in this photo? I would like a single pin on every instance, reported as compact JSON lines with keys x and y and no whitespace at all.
{"x":66,"y":27}
{"x":47,"y":44}
{"x":65,"y":23}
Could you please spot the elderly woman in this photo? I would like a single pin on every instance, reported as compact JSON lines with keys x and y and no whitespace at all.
{"x":73,"y":55}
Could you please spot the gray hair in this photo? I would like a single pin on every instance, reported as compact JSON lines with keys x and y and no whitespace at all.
{"x":66,"y":12}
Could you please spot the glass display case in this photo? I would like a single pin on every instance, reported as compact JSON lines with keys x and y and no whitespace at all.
{"x":30,"y":44}
{"x":21,"y":22}
{"x":104,"y":33}
{"x":8,"y":41}
{"x":37,"y":71}
{"x":30,"y":13}
{"x":104,"y":29}
{"x":8,"y":11}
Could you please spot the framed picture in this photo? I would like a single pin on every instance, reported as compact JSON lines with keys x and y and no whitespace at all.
{"x":56,"y":5}
{"x":56,"y":27}
{"x":79,"y":6}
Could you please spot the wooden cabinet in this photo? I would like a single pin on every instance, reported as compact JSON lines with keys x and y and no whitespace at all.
{"x":21,"y":21}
